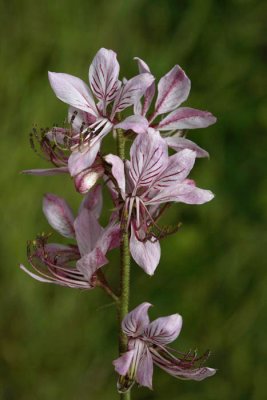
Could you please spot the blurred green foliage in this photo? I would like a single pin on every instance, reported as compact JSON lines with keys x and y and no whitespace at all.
{"x":59,"y":343}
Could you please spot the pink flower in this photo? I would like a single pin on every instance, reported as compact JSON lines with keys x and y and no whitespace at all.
{"x":150,"y":179}
{"x":94,"y":120}
{"x":147,"y":345}
{"x":54,"y":262}
{"x":173,"y":90}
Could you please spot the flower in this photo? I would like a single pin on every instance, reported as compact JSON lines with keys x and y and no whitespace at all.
{"x":173,"y":90}
{"x":94,"y":120}
{"x":149,"y":180}
{"x":54,"y":262}
{"x":147,"y":345}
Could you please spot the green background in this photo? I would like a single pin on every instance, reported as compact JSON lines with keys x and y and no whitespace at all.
{"x":59,"y":343}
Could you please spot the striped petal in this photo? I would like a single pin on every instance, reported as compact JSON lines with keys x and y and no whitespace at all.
{"x":185,"y":192}
{"x":136,"y":321}
{"x":103,"y":75}
{"x":59,"y":215}
{"x":144,"y":372}
{"x":93,"y":201}
{"x":186,"y":118}
{"x":87,"y":230}
{"x":149,"y":158}
{"x":91,"y":262}
{"x":73,"y":91}
{"x":81,"y":160}
{"x":131,"y":92}
{"x":178,"y":168}
{"x":117,"y":170}
{"x":173,"y":89}
{"x":136,"y":123}
{"x":122,"y":364}
{"x":181,"y":368}
{"x":110,"y":238}
{"x":178,"y":143}
{"x":145,"y":253}
{"x":164,"y":330}
{"x":149,"y":94}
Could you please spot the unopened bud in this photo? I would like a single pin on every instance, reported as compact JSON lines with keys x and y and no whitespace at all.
{"x":86,"y":179}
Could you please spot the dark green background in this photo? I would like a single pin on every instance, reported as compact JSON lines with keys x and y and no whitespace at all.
{"x":58,"y":343}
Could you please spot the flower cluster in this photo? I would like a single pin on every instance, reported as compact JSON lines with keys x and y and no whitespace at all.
{"x":142,"y":187}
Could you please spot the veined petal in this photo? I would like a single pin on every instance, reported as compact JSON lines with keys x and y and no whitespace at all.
{"x":144,"y":372}
{"x":164,"y":330}
{"x":91,"y":262}
{"x":59,"y":215}
{"x":136,"y":321}
{"x":131,"y":92}
{"x":117,"y":170}
{"x":122,"y":364}
{"x":149,"y":94}
{"x":195,"y":196}
{"x":183,"y":193}
{"x":186,"y":118}
{"x":145,"y":254}
{"x":195,"y":374}
{"x":110,"y":238}
{"x":142,"y":65}
{"x":173,"y":89}
{"x":179,"y":143}
{"x":81,"y":160}
{"x":178,"y":168}
{"x":93,"y":201}
{"x":103,"y":75}
{"x":149,"y":157}
{"x":136,"y":123}
{"x":87,"y":230}
{"x":46,"y":171}
{"x":73,"y":91}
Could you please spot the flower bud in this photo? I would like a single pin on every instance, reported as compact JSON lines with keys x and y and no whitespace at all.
{"x":86,"y":179}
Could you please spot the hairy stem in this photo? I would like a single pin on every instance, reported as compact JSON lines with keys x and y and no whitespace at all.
{"x":123,"y":304}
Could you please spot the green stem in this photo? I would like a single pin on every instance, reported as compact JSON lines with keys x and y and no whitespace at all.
{"x":124,"y":288}
{"x":123,"y":304}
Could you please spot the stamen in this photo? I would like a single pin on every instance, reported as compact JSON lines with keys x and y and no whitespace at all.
{"x":45,"y":264}
{"x":73,"y":117}
{"x":82,"y":127}
{"x":131,"y":201}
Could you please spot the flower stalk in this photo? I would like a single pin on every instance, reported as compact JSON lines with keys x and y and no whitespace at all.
{"x":123,"y":304}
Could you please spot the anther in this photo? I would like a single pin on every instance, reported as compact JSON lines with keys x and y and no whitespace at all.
{"x":73,"y":116}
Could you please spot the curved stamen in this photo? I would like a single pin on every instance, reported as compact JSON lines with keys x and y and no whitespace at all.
{"x":131,"y":201}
